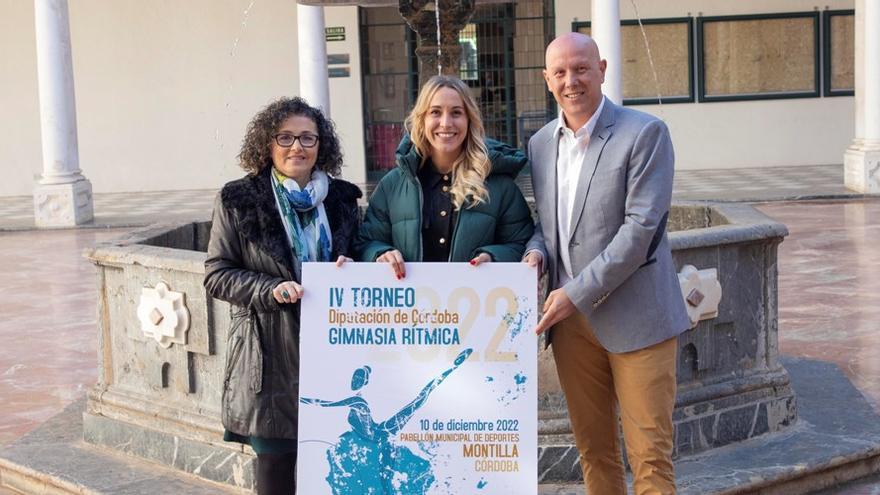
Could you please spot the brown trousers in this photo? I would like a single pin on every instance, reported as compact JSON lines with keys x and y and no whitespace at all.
{"x":595,"y":383}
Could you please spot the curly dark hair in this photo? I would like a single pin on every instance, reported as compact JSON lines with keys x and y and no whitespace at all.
{"x":256,"y":150}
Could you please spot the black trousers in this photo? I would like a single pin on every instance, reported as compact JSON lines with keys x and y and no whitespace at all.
{"x":276,"y":474}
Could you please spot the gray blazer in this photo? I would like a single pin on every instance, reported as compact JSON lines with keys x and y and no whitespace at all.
{"x":624,"y":279}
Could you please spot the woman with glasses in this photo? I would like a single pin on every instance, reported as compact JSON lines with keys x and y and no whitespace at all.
{"x":287,"y":210}
{"x":452,"y":196}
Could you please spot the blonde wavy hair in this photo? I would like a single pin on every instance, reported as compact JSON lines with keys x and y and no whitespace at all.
{"x":470,"y":169}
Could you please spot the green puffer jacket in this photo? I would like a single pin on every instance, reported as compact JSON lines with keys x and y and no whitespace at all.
{"x":500,"y":227}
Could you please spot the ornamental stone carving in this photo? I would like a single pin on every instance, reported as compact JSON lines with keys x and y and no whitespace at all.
{"x":163,"y":315}
{"x":701,"y":292}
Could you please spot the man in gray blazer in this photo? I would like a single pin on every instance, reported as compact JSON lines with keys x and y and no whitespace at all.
{"x":602,"y":176}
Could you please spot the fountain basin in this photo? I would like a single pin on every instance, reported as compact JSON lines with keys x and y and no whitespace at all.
{"x":731,"y":386}
{"x":159,"y":399}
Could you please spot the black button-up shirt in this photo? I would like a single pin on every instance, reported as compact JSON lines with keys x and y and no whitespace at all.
{"x":438,"y":215}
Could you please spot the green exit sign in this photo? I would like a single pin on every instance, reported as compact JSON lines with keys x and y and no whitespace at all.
{"x":336,"y":33}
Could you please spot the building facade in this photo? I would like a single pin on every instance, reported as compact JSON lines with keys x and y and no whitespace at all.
{"x":164,"y":89}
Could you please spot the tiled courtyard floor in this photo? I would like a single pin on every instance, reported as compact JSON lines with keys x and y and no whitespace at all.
{"x":748,"y":184}
{"x":829,"y":286}
{"x":829,"y":308}
{"x":49,"y":355}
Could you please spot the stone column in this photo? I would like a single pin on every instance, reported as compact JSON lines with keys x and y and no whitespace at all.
{"x":62,"y":196}
{"x":421,"y":15}
{"x":605,"y":29}
{"x":862,"y":158}
{"x":314,"y":84}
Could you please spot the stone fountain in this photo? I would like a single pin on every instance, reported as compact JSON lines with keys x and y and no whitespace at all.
{"x":731,"y":385}
{"x":152,"y":421}
{"x":162,"y":347}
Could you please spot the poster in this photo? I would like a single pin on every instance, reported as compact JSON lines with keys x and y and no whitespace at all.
{"x":426,"y":385}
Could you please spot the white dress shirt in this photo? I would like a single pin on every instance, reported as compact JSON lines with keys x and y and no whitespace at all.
{"x":572,"y":151}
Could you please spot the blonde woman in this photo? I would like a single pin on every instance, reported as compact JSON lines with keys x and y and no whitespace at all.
{"x":452,"y":196}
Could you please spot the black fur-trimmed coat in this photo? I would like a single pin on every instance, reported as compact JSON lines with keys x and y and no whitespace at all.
{"x":248,"y":256}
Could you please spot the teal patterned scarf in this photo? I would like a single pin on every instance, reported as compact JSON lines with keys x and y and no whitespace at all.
{"x":304,"y":217}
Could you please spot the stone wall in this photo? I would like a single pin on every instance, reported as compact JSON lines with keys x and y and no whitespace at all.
{"x":157,"y":399}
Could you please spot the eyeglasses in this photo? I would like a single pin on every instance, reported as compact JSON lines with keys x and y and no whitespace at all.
{"x":287,"y":140}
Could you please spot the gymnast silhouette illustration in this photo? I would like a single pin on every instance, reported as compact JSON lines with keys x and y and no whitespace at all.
{"x":365,"y":461}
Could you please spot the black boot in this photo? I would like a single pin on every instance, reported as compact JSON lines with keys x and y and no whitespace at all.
{"x":276,"y":474}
